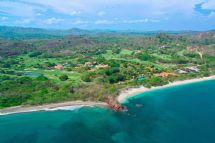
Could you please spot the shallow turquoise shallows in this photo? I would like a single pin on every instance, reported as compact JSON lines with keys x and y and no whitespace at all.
{"x":181,"y":114}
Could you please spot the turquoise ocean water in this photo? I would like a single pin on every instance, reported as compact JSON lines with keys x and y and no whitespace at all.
{"x":181,"y":114}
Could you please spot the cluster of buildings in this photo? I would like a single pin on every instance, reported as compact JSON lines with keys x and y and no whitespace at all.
{"x":93,"y":64}
{"x":59,"y":67}
{"x":165,"y":74}
{"x":186,"y":70}
{"x":86,"y":64}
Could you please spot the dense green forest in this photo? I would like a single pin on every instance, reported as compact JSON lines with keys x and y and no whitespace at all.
{"x":40,"y":66}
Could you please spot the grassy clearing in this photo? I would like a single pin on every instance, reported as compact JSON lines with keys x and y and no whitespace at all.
{"x":31,"y":61}
{"x":162,"y":56}
{"x":126,"y":52}
{"x":181,"y":53}
{"x":74,"y":77}
{"x":110,"y":56}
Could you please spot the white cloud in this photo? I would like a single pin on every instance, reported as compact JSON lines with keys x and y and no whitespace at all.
{"x":104,"y":22}
{"x":212,"y":15}
{"x":114,"y":21}
{"x":154,"y":20}
{"x":25,"y":21}
{"x":85,"y":12}
{"x":53,"y":20}
{"x":140,"y":7}
{"x":73,"y":13}
{"x":65,"y":6}
{"x":80,"y":22}
{"x":39,"y":14}
{"x":3,"y":18}
{"x":101,"y":13}
{"x":19,"y":9}
{"x":209,"y":5}
{"x":136,"y":21}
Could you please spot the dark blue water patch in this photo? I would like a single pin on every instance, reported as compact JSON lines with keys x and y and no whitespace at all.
{"x":182,"y":114}
{"x":31,"y":74}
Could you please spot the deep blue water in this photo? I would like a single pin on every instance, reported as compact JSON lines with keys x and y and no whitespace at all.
{"x":31,"y":74}
{"x":182,"y":114}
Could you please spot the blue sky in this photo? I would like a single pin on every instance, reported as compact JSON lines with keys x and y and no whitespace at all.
{"x":143,"y":15}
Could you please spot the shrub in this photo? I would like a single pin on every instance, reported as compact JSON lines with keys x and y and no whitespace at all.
{"x":63,"y":77}
{"x":42,"y":78}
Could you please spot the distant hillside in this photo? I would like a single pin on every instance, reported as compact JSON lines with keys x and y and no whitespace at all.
{"x":21,"y":33}
{"x":25,"y":33}
{"x":36,"y":33}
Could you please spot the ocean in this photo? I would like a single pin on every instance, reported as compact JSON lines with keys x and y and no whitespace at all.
{"x":179,"y":114}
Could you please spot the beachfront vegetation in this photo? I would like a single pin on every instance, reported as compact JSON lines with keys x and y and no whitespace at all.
{"x":91,"y":66}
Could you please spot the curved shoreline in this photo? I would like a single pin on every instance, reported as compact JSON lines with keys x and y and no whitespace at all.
{"x":71,"y":105}
{"x":131,"y":92}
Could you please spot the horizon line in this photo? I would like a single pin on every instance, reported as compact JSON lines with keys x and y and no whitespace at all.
{"x":107,"y":30}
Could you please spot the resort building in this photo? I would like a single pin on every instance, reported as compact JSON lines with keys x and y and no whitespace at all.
{"x":101,"y":66}
{"x":165,"y":74}
{"x":164,"y":47}
{"x":92,"y":70}
{"x":192,"y":69}
{"x":59,"y":67}
{"x":88,"y":64}
{"x":179,"y":71}
{"x":188,"y":70}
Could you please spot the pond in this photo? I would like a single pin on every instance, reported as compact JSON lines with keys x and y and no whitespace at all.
{"x":31,"y":74}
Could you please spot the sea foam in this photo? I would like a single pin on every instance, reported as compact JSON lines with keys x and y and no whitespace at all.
{"x":65,"y":108}
{"x":70,"y":108}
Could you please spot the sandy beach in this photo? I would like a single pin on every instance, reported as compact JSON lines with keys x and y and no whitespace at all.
{"x":70,"y":105}
{"x":130,"y":92}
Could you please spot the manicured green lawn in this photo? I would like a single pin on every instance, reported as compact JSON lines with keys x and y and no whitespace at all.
{"x":110,"y":56}
{"x":126,"y":52}
{"x":31,"y":61}
{"x":74,"y":77}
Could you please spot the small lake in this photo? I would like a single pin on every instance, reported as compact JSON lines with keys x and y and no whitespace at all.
{"x":31,"y":74}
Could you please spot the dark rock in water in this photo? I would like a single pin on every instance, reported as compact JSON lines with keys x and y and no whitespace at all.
{"x":115,"y":105}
